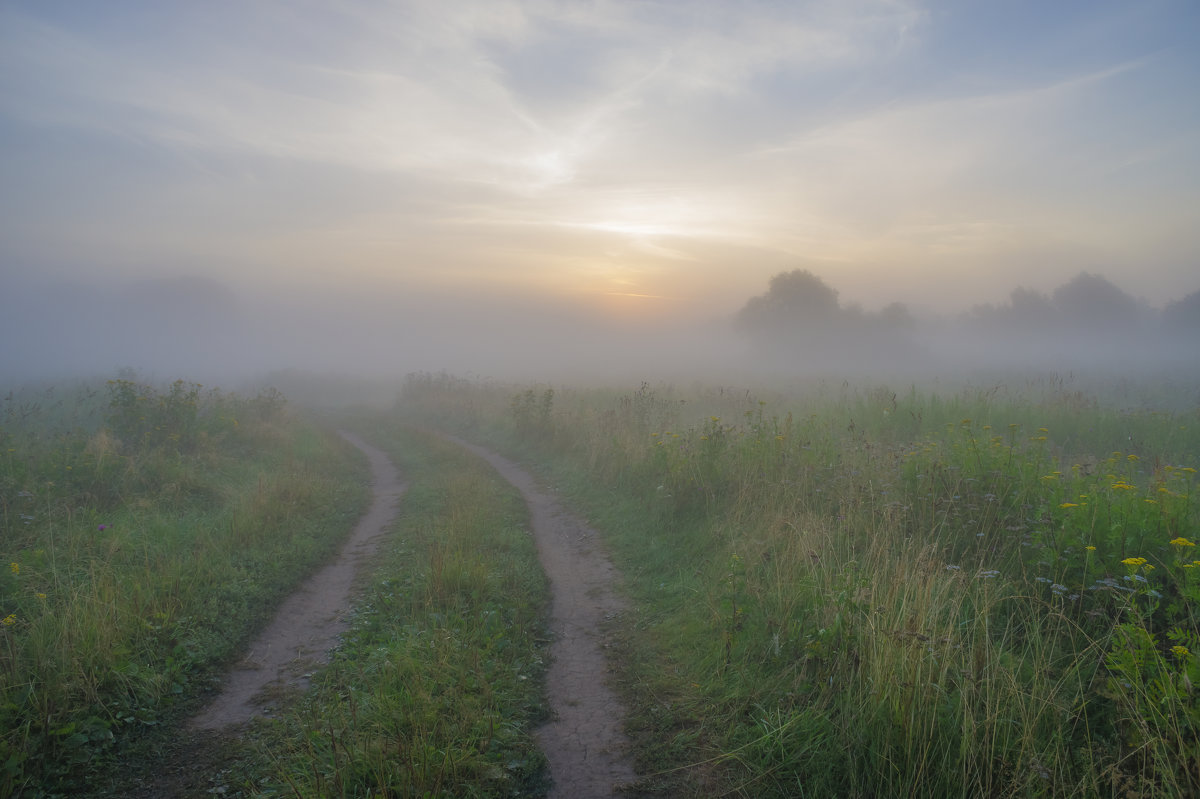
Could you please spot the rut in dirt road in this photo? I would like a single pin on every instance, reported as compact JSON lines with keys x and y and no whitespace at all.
{"x":584,"y":743}
{"x":308,"y":623}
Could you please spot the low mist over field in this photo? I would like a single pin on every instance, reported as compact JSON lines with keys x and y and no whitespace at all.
{"x":203,"y":329}
{"x":528,"y":189}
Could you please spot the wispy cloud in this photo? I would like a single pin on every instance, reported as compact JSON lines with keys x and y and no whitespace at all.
{"x":542,"y":140}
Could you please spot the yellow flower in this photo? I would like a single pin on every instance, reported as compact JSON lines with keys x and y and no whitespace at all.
{"x":1179,"y":651}
{"x":1090,"y":549}
{"x":1188,"y":469}
{"x":9,"y":620}
{"x":1134,"y":562}
{"x":1181,"y":542}
{"x":15,"y":567}
{"x":40,"y":595}
{"x":1069,"y":505}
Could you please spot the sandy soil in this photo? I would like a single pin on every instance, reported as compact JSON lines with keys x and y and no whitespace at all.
{"x":584,"y":742}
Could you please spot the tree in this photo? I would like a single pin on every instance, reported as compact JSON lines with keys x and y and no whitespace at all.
{"x":794,"y":300}
{"x":1183,"y":314}
{"x":1089,"y":300}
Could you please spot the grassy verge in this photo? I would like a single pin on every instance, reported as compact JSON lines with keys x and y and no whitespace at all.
{"x":145,"y":534}
{"x":437,"y":686}
{"x":862,"y":592}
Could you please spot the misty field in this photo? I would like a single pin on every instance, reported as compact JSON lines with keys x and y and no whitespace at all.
{"x":145,"y":534}
{"x":835,"y":590}
{"x":871,"y":592}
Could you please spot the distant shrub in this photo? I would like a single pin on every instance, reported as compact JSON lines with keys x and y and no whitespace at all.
{"x":144,"y":418}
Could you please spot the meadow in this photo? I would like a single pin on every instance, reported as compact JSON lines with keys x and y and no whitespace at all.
{"x":145,"y":533}
{"x":867,"y":591}
{"x":986,"y":589}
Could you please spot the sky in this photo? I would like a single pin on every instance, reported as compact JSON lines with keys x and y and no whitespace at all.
{"x":598,"y":161}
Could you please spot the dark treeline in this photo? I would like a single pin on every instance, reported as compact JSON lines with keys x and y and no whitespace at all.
{"x":1087,"y":321}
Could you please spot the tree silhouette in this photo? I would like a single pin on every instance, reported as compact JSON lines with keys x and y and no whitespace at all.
{"x":794,"y":301}
{"x":1183,"y":314}
{"x":1089,"y":300}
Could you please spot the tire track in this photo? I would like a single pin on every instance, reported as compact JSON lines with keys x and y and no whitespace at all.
{"x":307,"y":625}
{"x":584,"y":742}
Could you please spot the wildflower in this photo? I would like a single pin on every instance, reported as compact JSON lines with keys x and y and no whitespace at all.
{"x":1179,"y":651}
{"x":102,"y":528}
{"x":1188,"y":469}
{"x":1134,"y":563}
{"x":1090,"y":548}
{"x":1132,"y":458}
{"x":1181,"y":542}
{"x":1069,"y":505}
{"x":15,"y":567}
{"x":9,"y":620}
{"x":40,"y":595}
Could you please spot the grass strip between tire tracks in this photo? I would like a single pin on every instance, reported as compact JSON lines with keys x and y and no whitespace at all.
{"x":438,"y":684}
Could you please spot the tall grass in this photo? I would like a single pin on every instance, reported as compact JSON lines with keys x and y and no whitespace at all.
{"x":876,"y":592}
{"x":144,"y":532}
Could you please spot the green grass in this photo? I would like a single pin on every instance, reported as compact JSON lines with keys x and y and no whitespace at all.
{"x":867,"y":592}
{"x":145,"y":534}
{"x":437,"y":686}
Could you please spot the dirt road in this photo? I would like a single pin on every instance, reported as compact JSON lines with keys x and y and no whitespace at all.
{"x":584,"y":742}
{"x":309,"y":621}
